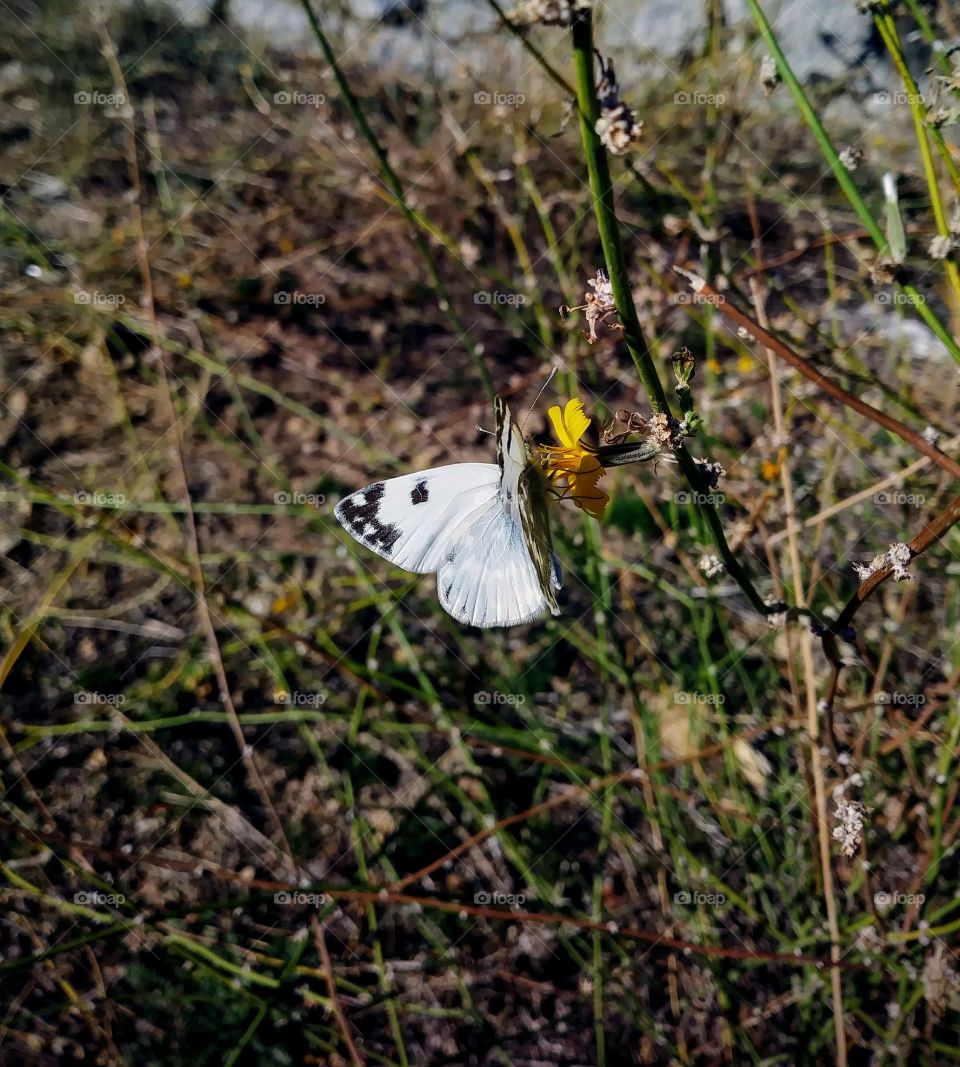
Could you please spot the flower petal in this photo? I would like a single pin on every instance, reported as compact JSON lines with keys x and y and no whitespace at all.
{"x":559,"y":430}
{"x":575,"y":420}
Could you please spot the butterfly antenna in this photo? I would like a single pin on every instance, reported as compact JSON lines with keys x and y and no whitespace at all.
{"x":482,"y":429}
{"x":543,"y":389}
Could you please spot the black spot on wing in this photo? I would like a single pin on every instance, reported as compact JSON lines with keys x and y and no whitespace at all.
{"x":363,"y":519}
{"x":420,"y":493}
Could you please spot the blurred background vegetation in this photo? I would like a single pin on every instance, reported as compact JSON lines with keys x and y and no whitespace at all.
{"x":262,"y":801}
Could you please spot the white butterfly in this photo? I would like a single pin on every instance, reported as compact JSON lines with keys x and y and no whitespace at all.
{"x":482,"y":527}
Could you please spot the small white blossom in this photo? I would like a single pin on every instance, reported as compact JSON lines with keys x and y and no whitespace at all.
{"x":940,"y":246}
{"x":664,"y":430}
{"x":851,"y":157}
{"x":618,"y":127}
{"x":710,"y":565}
{"x":897,"y":557}
{"x":769,"y":75}
{"x":851,"y":816}
{"x":602,"y":288}
{"x":597,"y":306}
{"x":868,"y":570}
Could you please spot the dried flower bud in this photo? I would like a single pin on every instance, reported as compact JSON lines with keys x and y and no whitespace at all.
{"x":618,"y":127}
{"x":851,"y":157}
{"x":940,"y":246}
{"x":769,"y":74}
{"x":710,"y":565}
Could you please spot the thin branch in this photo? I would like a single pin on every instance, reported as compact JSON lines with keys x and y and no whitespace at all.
{"x":321,"y":941}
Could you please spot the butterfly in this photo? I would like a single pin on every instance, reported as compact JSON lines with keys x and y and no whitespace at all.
{"x":483,"y":528}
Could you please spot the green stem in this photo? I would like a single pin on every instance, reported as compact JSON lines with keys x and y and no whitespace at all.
{"x":887,"y":27}
{"x":393,"y":183}
{"x":601,"y":189}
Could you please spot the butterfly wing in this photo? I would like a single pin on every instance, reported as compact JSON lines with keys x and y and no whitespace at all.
{"x":482,"y":527}
{"x":524,"y":493}
{"x":415,"y":520}
{"x":489,"y":578}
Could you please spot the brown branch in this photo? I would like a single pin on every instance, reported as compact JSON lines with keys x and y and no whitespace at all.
{"x":321,"y":941}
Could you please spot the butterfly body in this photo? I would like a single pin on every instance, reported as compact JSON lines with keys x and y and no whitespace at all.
{"x":483,"y":528}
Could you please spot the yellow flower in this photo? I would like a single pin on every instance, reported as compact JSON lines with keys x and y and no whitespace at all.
{"x":574,"y":462}
{"x":770,"y":471}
